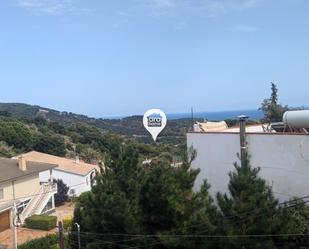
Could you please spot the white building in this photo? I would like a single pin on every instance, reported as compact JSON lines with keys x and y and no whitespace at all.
{"x":77,"y":175}
{"x":282,"y":157}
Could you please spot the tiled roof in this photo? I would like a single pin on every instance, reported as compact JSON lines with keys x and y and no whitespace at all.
{"x":9,"y":169}
{"x":64,"y":164}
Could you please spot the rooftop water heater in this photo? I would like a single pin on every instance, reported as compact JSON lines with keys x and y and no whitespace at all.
{"x":296,"y":119}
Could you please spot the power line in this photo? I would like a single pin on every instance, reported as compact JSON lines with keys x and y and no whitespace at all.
{"x":200,"y":235}
{"x":108,"y":242}
{"x":252,"y":211}
{"x":215,"y":236}
{"x":46,"y":192}
{"x":132,"y":239}
{"x":258,"y":209}
{"x":196,"y":225}
{"x":261,"y":214}
{"x":122,"y":240}
{"x":209,"y":239}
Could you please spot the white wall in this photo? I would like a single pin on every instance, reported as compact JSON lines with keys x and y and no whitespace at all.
{"x":69,"y":179}
{"x":283,"y":159}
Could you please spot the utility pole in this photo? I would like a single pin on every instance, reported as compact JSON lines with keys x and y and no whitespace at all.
{"x":14,"y":216}
{"x":61,"y":239}
{"x":78,"y":235}
{"x":242,"y":134}
{"x":14,"y":213}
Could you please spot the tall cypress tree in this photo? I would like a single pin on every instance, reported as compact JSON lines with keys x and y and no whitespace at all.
{"x":274,"y":94}
{"x":272,"y":110}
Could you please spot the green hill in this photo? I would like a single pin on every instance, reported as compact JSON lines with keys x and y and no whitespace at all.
{"x":132,"y":127}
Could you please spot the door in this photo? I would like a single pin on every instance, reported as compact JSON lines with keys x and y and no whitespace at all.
{"x":4,"y":220}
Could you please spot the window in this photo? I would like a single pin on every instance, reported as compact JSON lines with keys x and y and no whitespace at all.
{"x":1,"y":193}
{"x":21,"y":207}
{"x":49,"y":206}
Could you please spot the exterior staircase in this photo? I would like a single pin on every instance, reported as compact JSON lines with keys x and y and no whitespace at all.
{"x":39,"y":200}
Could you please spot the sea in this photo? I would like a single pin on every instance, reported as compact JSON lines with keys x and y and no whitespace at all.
{"x":219,"y":115}
{"x":211,"y":116}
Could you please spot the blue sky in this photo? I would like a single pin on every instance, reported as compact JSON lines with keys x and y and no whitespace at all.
{"x":122,"y":57}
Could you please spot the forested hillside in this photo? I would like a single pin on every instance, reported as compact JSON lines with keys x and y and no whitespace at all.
{"x":174,"y":133}
{"x":25,"y":127}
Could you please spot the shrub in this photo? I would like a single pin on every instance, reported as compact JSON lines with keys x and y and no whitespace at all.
{"x":67,"y":222}
{"x":5,"y":150}
{"x":41,"y":222}
{"x":62,"y":192}
{"x":46,"y":242}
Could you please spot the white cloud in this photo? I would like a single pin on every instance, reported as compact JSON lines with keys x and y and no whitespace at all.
{"x":209,"y":8}
{"x":52,"y":7}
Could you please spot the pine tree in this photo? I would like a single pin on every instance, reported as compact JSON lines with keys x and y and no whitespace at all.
{"x":249,"y":208}
{"x":156,"y":199}
{"x":111,"y":206}
{"x":202,"y":219}
{"x":170,"y":207}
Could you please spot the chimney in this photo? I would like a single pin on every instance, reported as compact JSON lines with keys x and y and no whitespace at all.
{"x":77,"y":159}
{"x":242,"y":133}
{"x":22,"y":164}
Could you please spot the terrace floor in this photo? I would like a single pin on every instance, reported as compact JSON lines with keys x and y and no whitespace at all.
{"x":25,"y":234}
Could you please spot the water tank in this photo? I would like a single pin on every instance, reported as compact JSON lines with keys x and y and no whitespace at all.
{"x":296,"y":119}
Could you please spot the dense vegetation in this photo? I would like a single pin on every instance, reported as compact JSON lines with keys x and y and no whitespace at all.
{"x":128,"y":127}
{"x":88,"y":142}
{"x":134,"y":206}
{"x":47,"y":242}
{"x":25,"y":127}
{"x":174,"y":133}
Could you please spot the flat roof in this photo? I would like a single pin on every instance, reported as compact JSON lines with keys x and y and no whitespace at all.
{"x":250,"y":133}
{"x":256,"y":129}
{"x":9,"y":169}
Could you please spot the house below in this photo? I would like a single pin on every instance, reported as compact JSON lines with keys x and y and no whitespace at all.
{"x":20,"y":183}
{"x":77,"y":175}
